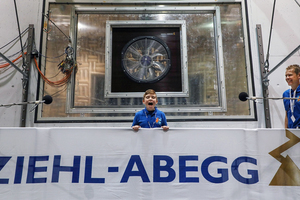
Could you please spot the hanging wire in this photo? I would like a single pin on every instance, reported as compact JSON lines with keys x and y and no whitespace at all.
{"x":61,"y":82}
{"x":47,"y":28}
{"x":271,"y":28}
{"x":4,"y":64}
{"x":3,"y":70}
{"x":51,"y":57}
{"x":55,"y":94}
{"x":25,"y":31}
{"x":55,"y":75}
{"x":23,"y":57}
{"x":67,"y":72}
{"x":7,"y":64}
{"x":58,"y":28}
{"x":13,"y":55}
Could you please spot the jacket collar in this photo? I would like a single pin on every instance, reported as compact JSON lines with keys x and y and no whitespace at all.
{"x":148,"y":112}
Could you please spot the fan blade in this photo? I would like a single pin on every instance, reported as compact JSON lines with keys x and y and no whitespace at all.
{"x":131,"y":65}
{"x":159,"y":66}
{"x":150,"y":46}
{"x":141,"y":73}
{"x":151,"y":73}
{"x":134,"y":52}
{"x":155,"y":55}
{"x":160,"y":48}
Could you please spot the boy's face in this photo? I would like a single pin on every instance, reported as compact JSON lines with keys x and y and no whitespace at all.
{"x":292,"y":78}
{"x":150,"y":100}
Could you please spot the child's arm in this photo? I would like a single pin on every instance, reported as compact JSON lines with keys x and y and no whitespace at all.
{"x":136,"y":127}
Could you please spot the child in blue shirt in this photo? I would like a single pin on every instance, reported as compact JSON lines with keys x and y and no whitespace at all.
{"x":150,"y":116}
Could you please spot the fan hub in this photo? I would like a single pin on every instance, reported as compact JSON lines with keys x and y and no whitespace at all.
{"x":146,"y":61}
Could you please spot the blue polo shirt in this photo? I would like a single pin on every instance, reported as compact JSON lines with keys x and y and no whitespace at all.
{"x":287,"y":107}
{"x":146,"y":119}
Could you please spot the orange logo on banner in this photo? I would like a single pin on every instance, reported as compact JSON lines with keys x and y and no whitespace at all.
{"x":288,"y":173}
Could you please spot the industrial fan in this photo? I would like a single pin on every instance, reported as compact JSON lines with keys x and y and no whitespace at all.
{"x":146,"y":59}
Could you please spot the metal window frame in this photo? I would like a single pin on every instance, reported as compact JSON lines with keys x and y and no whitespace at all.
{"x":215,"y":10}
{"x":69,"y":108}
{"x":143,"y":23}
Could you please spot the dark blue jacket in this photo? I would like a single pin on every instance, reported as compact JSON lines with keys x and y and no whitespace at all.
{"x":287,"y":107}
{"x":146,"y":119}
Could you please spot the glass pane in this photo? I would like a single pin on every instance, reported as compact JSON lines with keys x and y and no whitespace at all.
{"x":204,"y":86}
{"x":56,"y":43}
{"x":203,"y":78}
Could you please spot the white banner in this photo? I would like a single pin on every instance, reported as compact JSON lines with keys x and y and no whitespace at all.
{"x":113,"y":163}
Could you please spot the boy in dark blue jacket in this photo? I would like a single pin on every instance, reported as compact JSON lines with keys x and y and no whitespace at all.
{"x":150,"y":116}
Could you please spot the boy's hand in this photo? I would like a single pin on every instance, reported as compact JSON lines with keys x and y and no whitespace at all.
{"x":165,"y":128}
{"x":136,"y":127}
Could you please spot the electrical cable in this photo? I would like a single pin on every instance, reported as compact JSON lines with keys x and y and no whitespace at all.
{"x":60,"y":82}
{"x":7,"y":64}
{"x":55,"y":75}
{"x":55,"y":94}
{"x":46,"y":25}
{"x":63,"y":81}
{"x":15,"y":38}
{"x":4,"y":70}
{"x":23,"y":57}
{"x":58,"y":28}
{"x":51,"y":57}
{"x":10,"y":56}
{"x":3,"y":61}
{"x":270,"y":34}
